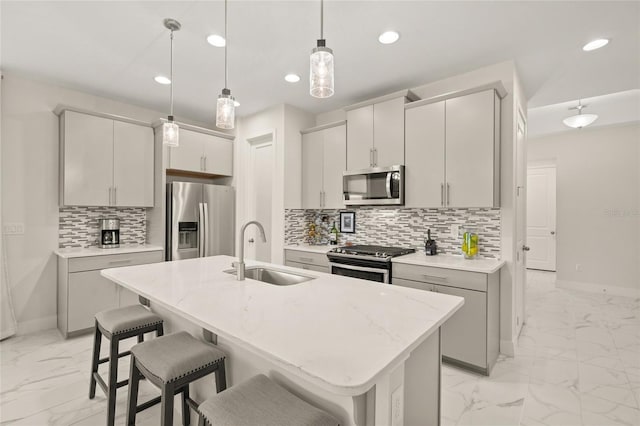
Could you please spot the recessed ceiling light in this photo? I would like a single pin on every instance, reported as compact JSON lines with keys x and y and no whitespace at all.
{"x":236,"y":104}
{"x":216,"y":40}
{"x":292,"y":78}
{"x":388,"y":37}
{"x":595,"y":44}
{"x":162,"y":79}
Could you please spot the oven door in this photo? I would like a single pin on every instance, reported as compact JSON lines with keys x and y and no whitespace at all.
{"x":380,"y":275}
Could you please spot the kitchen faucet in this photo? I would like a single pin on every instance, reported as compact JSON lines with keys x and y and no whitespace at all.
{"x":239,"y":265}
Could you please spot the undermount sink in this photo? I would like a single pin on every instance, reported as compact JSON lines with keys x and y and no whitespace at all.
{"x":272,"y":276}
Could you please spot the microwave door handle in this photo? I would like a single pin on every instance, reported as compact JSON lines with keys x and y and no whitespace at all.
{"x":389,"y":184}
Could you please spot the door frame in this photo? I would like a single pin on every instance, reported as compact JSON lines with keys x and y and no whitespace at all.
{"x":520,"y":222}
{"x":259,"y":140}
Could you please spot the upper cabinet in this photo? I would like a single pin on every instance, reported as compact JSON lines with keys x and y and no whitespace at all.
{"x":453,"y":151}
{"x":105,"y":161}
{"x":324,"y":158}
{"x":202,"y":153}
{"x":375,"y":132}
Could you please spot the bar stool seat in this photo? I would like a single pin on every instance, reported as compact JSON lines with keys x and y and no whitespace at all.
{"x":127,"y":319}
{"x":261,"y":401}
{"x":171,"y":363}
{"x":116,"y":325}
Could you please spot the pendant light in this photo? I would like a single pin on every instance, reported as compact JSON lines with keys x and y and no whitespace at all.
{"x":225,"y":108}
{"x":170,"y":130}
{"x":579,"y":120}
{"x":321,"y":61}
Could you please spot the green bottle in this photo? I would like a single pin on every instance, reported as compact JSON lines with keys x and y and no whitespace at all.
{"x":333,"y":235}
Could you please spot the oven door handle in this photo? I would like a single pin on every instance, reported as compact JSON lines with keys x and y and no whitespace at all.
{"x":384,"y":272}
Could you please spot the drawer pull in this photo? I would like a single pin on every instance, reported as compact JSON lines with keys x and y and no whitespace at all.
{"x":120,"y":262}
{"x":306,"y":259}
{"x":435,"y":277}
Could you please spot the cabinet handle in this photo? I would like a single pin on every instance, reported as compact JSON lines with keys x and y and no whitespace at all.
{"x":110,"y":195}
{"x":320,"y":199}
{"x":442,"y":194}
{"x":205,"y":164}
{"x":435,"y":277}
{"x":306,"y":259}
{"x":120,"y":262}
{"x":115,"y":195}
{"x":375,"y":157}
{"x":370,"y":157}
{"x":324,"y":199}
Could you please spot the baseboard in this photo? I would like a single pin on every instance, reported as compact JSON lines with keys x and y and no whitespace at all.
{"x":39,"y":324}
{"x":598,"y":288}
{"x":508,"y":347}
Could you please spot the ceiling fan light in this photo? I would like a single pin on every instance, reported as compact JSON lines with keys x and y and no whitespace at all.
{"x":225,"y":110}
{"x":579,"y":121}
{"x":321,"y":76}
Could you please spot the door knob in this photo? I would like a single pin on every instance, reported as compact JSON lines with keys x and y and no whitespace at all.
{"x":251,"y":240}
{"x":553,"y":232}
{"x":525,"y":248}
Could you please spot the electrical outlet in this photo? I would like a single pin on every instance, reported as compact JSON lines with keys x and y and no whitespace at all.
{"x":15,"y":228}
{"x":397,"y":407}
{"x":455,"y":230}
{"x":578,"y":267}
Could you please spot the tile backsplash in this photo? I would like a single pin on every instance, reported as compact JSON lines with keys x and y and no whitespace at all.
{"x":406,"y":227}
{"x":79,"y":225}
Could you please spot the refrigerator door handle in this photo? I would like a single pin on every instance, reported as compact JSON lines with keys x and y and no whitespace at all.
{"x":205,"y":232}
{"x":201,"y":219}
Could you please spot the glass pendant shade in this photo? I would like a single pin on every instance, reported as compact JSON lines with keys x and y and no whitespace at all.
{"x":170,"y":134}
{"x":579,"y":121}
{"x":225,"y":110}
{"x":321,"y":74}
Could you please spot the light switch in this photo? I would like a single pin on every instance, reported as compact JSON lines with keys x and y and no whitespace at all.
{"x":14,"y":228}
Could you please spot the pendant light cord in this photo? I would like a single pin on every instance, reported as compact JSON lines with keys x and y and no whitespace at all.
{"x":171,"y":66}
{"x":226,"y":43}
{"x":321,"y":19}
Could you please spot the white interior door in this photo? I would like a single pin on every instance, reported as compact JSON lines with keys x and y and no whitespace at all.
{"x":521,"y":224}
{"x":260,"y":194}
{"x":541,"y":218}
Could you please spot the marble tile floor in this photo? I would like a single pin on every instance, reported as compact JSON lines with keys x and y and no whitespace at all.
{"x":577,"y":363}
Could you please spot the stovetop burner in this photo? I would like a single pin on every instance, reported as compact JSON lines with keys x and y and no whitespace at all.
{"x":380,"y":252}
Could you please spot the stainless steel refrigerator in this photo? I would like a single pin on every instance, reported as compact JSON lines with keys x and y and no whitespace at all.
{"x":200,"y":220}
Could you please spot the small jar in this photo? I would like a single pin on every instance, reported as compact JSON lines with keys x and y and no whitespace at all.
{"x":470,"y":244}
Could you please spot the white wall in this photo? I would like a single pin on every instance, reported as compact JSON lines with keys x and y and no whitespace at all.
{"x":598,"y":206}
{"x":30,"y":188}
{"x":286,"y":121}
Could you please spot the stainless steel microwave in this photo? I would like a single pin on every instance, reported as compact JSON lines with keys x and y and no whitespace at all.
{"x":377,"y":186}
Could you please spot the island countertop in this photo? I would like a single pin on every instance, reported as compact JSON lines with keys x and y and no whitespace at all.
{"x":336,"y":332}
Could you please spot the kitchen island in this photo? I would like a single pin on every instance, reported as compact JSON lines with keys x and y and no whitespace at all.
{"x":367,"y":353}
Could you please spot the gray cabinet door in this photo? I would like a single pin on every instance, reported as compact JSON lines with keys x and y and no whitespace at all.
{"x":360,"y":138}
{"x":89,"y":293}
{"x":464,"y":335}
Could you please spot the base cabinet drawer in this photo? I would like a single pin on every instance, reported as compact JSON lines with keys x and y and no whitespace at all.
{"x":308,"y":267}
{"x":412,"y":284}
{"x":318,"y":259}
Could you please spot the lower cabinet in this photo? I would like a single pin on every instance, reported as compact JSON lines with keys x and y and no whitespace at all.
{"x":83,"y":292}
{"x":471,"y":337}
{"x":305,"y":260}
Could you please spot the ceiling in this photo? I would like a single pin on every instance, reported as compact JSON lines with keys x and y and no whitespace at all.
{"x":115,"y":48}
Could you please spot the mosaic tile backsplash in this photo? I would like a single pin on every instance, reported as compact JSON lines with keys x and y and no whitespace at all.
{"x":404,"y":227}
{"x":79,"y":225}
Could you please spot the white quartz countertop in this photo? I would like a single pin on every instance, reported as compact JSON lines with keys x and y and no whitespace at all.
{"x":68,"y":253}
{"x":310,"y":248}
{"x":338,"y":333}
{"x":486,"y":266}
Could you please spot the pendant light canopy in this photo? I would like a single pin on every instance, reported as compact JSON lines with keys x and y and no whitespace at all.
{"x":579,"y":120}
{"x":170,"y":130}
{"x":321,"y":65}
{"x":225,"y":108}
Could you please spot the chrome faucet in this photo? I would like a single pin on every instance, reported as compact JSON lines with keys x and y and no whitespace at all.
{"x":239,"y":265}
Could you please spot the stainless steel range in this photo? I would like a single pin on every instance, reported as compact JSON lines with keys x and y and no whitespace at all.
{"x":367,"y":262}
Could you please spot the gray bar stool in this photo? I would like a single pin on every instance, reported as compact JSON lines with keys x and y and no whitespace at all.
{"x":171,"y":363}
{"x":261,"y":401}
{"x":117,"y":325}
